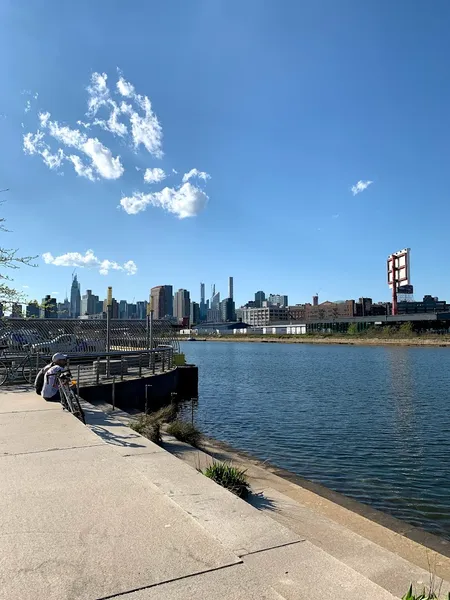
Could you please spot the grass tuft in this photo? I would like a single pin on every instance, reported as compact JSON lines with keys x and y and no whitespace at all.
{"x":148,"y":427}
{"x":185,"y":432}
{"x":229,"y":477}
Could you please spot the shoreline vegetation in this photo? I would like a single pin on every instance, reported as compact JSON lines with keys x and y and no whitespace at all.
{"x":360,"y":339}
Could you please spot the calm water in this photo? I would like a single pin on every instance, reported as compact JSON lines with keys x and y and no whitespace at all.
{"x":372,"y":423}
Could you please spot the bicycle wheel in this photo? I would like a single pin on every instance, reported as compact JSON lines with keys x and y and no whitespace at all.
{"x":31,"y":367}
{"x":3,"y":373}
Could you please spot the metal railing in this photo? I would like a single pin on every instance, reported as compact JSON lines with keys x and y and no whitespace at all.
{"x":79,"y":336}
{"x":111,"y":367}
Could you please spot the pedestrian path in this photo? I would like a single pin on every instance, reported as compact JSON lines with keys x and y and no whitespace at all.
{"x":97,"y":512}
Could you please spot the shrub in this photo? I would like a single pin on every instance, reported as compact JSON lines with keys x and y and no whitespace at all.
{"x":166,"y":414}
{"x":148,"y":427}
{"x":229,"y":477}
{"x":185,"y":432}
{"x":352,"y":329}
{"x":424,"y":596}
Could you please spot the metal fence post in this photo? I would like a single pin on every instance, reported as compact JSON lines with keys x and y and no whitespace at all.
{"x":97,"y":373}
{"x":37,"y":362}
{"x":121,"y":368}
{"x":78,"y":380}
{"x":114,"y":392}
{"x":146,"y":398}
{"x":148,"y":332}
{"x":163,"y":360}
{"x":192,"y":410}
{"x":140,"y":365}
{"x":153,"y":362}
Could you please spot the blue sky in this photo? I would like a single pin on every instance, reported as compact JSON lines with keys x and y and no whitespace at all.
{"x":281,"y":107}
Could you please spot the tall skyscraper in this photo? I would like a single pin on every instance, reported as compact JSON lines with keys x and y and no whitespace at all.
{"x":162,"y":299}
{"x":63,"y":309}
{"x":203,"y":307}
{"x":227,"y":310}
{"x":230,"y":288}
{"x":215,"y":301}
{"x":259,"y":299}
{"x":123,"y":309}
{"x":75,"y":298}
{"x":141,"y":309}
{"x":33,"y":311}
{"x":88,"y":303}
{"x":194,"y":318}
{"x":182,"y":304}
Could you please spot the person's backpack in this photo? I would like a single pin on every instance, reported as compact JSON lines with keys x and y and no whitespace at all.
{"x":39,"y":381}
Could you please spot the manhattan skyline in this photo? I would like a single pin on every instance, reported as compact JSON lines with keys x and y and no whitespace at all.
{"x":303,"y":149}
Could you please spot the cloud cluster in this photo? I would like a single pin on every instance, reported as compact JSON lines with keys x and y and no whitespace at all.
{"x":184,"y":201}
{"x":154,"y":175}
{"x":88,"y":259}
{"x":360,"y":186}
{"x":125,"y":114}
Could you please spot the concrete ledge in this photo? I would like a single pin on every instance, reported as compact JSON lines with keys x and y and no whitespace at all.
{"x":302,"y":571}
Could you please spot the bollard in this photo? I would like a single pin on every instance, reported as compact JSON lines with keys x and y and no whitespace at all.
{"x":97,"y":374}
{"x":114,"y":393}
{"x":78,"y":381}
{"x":146,"y":398}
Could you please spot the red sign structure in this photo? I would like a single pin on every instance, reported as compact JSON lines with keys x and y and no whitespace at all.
{"x":398,"y":273}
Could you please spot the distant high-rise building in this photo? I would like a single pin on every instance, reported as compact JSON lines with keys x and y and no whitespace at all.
{"x":213,"y":315}
{"x":215,"y":301}
{"x":16,"y":311}
{"x":33,"y":310}
{"x":48,"y":308}
{"x":88,"y":303}
{"x":277,"y":300}
{"x":259,"y":299}
{"x":75,"y":298}
{"x":141,"y":309}
{"x":194,"y":317}
{"x":230,"y":288}
{"x":123,"y":309}
{"x":162,"y":300}
{"x":132,"y":311}
{"x":203,"y":305}
{"x":63,"y":309}
{"x":182,"y":305}
{"x":227,"y":310}
{"x":316,"y":300}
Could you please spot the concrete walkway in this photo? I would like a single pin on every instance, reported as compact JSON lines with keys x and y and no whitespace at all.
{"x":99,"y":512}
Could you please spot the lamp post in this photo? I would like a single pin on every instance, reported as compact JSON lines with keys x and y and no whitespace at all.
{"x":108,"y":326}
{"x":150,"y":323}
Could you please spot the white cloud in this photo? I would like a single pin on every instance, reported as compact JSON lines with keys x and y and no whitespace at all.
{"x":81,"y":169}
{"x":196,"y":173}
{"x":154,"y":175}
{"x":360,"y":186}
{"x":102,"y":159}
{"x":186,"y":201}
{"x":25,"y":287}
{"x":98,"y":92}
{"x":145,"y":129}
{"x":27,"y":106}
{"x":88,"y":259}
{"x":33,"y":143}
{"x":124,"y":87}
{"x":53,"y":161}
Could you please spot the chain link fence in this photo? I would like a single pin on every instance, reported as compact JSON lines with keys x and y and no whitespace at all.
{"x":79,"y":336}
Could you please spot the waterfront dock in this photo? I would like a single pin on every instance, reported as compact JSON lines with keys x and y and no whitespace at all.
{"x":97,"y":512}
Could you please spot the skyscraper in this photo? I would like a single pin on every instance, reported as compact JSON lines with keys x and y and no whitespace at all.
{"x":182,"y":304}
{"x":215,"y":301}
{"x":203,"y":307}
{"x":162,"y":299}
{"x":230,"y":288}
{"x":88,"y":303}
{"x":75,"y":298}
{"x":48,"y":308}
{"x":259,"y":299}
{"x":195,"y":314}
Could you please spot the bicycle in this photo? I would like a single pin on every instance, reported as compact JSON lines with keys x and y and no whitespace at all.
{"x":16,"y":367}
{"x":68,"y":396}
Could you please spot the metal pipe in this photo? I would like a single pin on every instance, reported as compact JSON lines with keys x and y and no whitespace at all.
{"x":163,"y":360}
{"x":78,"y":380}
{"x":121,"y":368}
{"x":97,"y":374}
{"x":140,"y":365}
{"x":192,"y":410}
{"x":114,"y":393}
{"x":153,"y":362}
